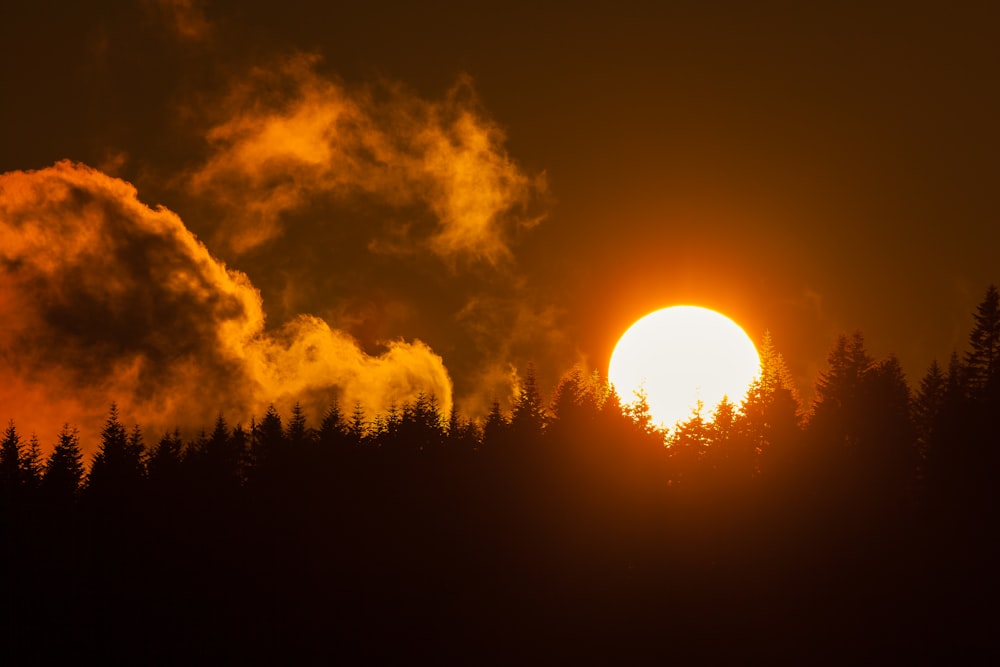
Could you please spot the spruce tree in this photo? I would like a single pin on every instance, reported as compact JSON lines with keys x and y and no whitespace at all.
{"x":528,"y":415}
{"x":64,"y":468}
{"x":983,"y":358}
{"x":357,"y":428}
{"x":32,"y":466}
{"x":165,"y":461}
{"x":118,"y":468}
{"x":11,"y":461}
{"x":496,"y":428}
{"x":769,"y":416}
{"x":298,"y":433}
{"x":928,"y":405}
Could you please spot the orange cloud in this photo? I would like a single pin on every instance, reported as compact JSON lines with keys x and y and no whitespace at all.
{"x":104,"y":298}
{"x":290,"y":137}
{"x":510,"y":331}
{"x":186,"y":17}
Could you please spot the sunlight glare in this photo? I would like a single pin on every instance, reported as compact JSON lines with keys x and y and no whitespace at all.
{"x":680,"y":355}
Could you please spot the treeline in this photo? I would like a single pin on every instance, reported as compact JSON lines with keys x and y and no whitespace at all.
{"x":865,"y":519}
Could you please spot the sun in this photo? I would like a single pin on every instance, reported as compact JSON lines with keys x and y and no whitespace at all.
{"x":680,"y":355}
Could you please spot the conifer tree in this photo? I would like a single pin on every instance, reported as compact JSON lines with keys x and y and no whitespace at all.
{"x":11,"y":461}
{"x":298,"y":433}
{"x":32,"y":467}
{"x":528,"y":415}
{"x":64,"y":468}
{"x":332,"y":425}
{"x":165,"y":461}
{"x":332,"y":436}
{"x":688,"y":443}
{"x":239,"y":445}
{"x":218,"y":458}
{"x":861,"y":423}
{"x":117,"y":470}
{"x":270,"y":442}
{"x":983,"y":358}
{"x":496,"y":428}
{"x":357,"y":426}
{"x":928,"y":406}
{"x":837,"y":389}
{"x":638,"y":412}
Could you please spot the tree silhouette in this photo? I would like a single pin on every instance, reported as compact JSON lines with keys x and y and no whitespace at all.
{"x":528,"y":416}
{"x":688,"y":445}
{"x":11,"y":466}
{"x":64,"y":469}
{"x":638,"y":411}
{"x":33,"y":467}
{"x":358,"y":424}
{"x":496,"y":430}
{"x":574,"y":400}
{"x":117,"y":471}
{"x":165,"y":461}
{"x":861,"y":421}
{"x":983,"y":358}
{"x":270,"y":446}
{"x":298,"y":432}
{"x":572,"y":501}
{"x":928,"y":411}
{"x":216,"y":460}
{"x":420,"y":426}
{"x":769,"y":415}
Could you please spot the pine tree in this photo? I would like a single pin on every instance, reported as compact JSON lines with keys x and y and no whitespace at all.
{"x":217,"y":459}
{"x":838,"y":388}
{"x":569,"y":399}
{"x":117,"y":470}
{"x":983,"y":359}
{"x":688,"y":444}
{"x":723,"y":422}
{"x":165,"y":461}
{"x":239,"y":444}
{"x":270,"y":454}
{"x":928,"y":406}
{"x":769,"y":416}
{"x":11,"y":460}
{"x":32,"y":466}
{"x":496,"y":428}
{"x":861,"y":424}
{"x":332,"y":435}
{"x":298,"y":433}
{"x":638,"y":412}
{"x":64,"y":468}
{"x":358,"y":424}
{"x":136,"y":447}
{"x":419,"y":427}
{"x":528,"y":415}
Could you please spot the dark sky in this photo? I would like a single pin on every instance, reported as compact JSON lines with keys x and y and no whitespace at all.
{"x":804,"y":168}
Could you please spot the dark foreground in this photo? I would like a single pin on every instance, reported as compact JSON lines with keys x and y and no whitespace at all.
{"x":405,"y":563}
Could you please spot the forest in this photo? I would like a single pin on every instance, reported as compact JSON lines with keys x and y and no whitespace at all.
{"x":862,"y":527}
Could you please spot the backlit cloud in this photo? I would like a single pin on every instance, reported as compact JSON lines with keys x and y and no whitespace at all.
{"x":186,"y":17}
{"x":104,"y":298}
{"x":288,"y":137}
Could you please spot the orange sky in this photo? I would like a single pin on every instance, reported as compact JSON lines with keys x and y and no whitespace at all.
{"x":489,"y":187}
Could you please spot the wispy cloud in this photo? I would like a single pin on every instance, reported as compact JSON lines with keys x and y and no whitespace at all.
{"x":288,"y":137}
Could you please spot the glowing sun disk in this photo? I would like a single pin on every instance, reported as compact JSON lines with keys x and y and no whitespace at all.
{"x":681,"y":355}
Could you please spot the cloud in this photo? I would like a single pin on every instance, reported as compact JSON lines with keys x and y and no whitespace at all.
{"x":103,"y":298}
{"x":510,"y":331}
{"x":186,"y":17}
{"x":288,"y":137}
